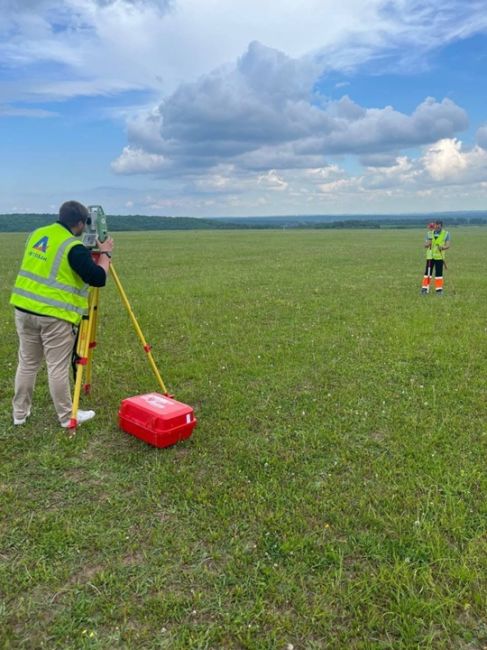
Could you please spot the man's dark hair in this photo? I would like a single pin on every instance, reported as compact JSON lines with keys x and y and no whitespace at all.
{"x":439,"y":223}
{"x":72,"y":212}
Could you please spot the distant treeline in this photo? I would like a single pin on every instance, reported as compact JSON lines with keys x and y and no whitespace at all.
{"x":28,"y":222}
{"x":397,"y":223}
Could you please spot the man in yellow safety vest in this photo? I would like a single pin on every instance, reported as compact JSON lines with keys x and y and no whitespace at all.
{"x":437,"y":241}
{"x":50,"y":296}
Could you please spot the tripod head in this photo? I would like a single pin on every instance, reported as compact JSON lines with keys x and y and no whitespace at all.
{"x":95,"y":227}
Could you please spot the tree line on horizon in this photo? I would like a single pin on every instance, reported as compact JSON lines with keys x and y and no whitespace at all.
{"x":118,"y":223}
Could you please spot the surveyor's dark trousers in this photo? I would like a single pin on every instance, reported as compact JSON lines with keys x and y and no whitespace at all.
{"x":436,"y":265}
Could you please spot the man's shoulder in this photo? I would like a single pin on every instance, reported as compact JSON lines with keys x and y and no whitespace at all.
{"x":47,"y":226}
{"x":78,"y":249}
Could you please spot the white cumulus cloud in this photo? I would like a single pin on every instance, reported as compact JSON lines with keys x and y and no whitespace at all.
{"x":236,"y":108}
{"x":137,"y":161}
{"x":263,"y":113}
{"x":272,"y":181}
{"x":114,"y":45}
{"x":446,"y":161}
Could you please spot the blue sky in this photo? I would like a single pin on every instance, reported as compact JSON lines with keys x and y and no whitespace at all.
{"x":207,"y":108}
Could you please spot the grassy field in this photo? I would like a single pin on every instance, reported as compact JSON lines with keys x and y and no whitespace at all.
{"x":334,"y":492}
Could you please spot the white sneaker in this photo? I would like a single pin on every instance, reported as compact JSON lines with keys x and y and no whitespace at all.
{"x":21,"y":420}
{"x":82,"y":416}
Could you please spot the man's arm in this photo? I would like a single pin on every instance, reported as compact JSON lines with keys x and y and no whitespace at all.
{"x":93,"y":273}
{"x":82,"y":263}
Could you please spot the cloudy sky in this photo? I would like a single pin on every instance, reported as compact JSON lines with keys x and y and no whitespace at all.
{"x":243,"y":107}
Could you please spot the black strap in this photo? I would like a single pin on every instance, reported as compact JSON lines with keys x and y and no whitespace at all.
{"x":74,"y":355}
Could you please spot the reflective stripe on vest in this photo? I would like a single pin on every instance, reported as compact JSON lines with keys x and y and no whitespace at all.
{"x":48,"y":301}
{"x":436,"y":243}
{"x":59,"y":256}
{"x":50,"y":282}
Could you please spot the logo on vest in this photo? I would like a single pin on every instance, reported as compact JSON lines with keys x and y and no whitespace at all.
{"x":41,"y":245}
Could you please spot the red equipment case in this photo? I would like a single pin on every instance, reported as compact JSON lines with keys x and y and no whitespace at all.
{"x":158,"y":419}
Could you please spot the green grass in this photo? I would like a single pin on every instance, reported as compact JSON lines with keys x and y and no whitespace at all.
{"x":334,"y":492}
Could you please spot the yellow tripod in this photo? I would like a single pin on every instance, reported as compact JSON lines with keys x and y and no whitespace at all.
{"x":87,"y":342}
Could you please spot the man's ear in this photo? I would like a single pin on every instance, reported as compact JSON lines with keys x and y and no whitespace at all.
{"x":78,"y":228}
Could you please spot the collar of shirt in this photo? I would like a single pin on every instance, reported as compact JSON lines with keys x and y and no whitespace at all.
{"x":65,"y":226}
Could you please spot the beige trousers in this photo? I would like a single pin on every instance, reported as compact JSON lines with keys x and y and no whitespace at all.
{"x":50,"y":338}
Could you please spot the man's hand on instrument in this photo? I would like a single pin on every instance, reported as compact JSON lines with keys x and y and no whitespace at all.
{"x":105,"y":246}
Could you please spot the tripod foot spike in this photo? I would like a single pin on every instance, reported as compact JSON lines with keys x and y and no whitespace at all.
{"x":73,"y":423}
{"x":87,"y":389}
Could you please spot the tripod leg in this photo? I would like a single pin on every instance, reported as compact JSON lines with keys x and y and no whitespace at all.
{"x":92,"y":341}
{"x":82,"y":358}
{"x":136,"y":325}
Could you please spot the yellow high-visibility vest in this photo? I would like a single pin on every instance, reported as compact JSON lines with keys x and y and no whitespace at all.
{"x":438,"y":241}
{"x":46,"y":284}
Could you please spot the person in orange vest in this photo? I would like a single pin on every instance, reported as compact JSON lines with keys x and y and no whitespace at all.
{"x":437,"y":242}
{"x":50,"y":297}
